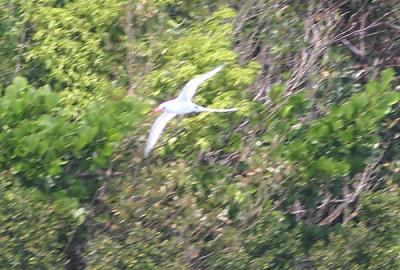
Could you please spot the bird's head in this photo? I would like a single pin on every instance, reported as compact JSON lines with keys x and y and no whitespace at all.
{"x":160,"y":108}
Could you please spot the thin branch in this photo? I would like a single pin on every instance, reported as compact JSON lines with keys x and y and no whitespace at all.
{"x":352,"y":48}
{"x":130,"y":56}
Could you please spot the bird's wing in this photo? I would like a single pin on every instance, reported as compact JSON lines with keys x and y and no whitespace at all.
{"x":191,"y":86}
{"x":156,"y":130}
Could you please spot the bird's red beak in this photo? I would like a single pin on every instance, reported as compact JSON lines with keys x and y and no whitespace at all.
{"x":157,"y":110}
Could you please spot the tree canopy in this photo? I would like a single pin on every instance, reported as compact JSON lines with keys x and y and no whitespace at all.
{"x":305,"y":175}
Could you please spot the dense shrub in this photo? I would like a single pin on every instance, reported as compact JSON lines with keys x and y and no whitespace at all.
{"x":45,"y":143}
{"x":33,"y":231}
{"x":303,"y":176}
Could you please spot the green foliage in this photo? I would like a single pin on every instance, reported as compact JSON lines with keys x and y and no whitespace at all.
{"x":244,"y":190}
{"x":30,"y":229}
{"x":175,"y":226}
{"x":141,"y":249}
{"x":340,"y":143}
{"x":11,"y":33}
{"x":373,"y":244}
{"x":262,"y":245}
{"x":44,"y":144}
{"x":78,"y":35}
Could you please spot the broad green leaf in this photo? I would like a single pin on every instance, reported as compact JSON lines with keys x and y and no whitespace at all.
{"x":286,"y":110}
{"x":20,"y":82}
{"x":372,"y":87}
{"x":80,"y":215}
{"x":51,"y":100}
{"x":392,"y":98}
{"x":276,"y":92}
{"x":387,"y":77}
{"x":360,"y":102}
{"x":348,"y":110}
{"x":336,"y":124}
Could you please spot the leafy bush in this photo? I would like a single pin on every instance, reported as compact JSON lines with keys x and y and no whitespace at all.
{"x":338,"y":145}
{"x":31,"y":229}
{"x":246,"y":190}
{"x":374,"y":243}
{"x":142,"y":248}
{"x":77,"y":33}
{"x":44,"y":143}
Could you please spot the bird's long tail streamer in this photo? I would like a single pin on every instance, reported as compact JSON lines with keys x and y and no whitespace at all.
{"x":218,"y":110}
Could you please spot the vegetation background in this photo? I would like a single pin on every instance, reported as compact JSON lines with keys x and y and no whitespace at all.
{"x":304,"y":176}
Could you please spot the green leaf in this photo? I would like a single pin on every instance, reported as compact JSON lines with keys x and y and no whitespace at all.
{"x":203,"y":143}
{"x":392,"y":98}
{"x":80,"y":215}
{"x":347,"y":137}
{"x":86,"y":135}
{"x":360,"y":102}
{"x":336,"y":124}
{"x":47,"y":121}
{"x":299,"y":100}
{"x":347,"y":110}
{"x":372,"y":87}
{"x":332,"y":166}
{"x":64,"y":203}
{"x":276,"y":92}
{"x":320,"y":131}
{"x":286,"y":110}
{"x":20,"y":82}
{"x":387,"y":77}
{"x":11,"y":92}
{"x":51,"y":100}
{"x":55,"y":167}
{"x":45,"y":89}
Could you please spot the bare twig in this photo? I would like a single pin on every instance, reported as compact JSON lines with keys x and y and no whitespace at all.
{"x":130,"y":56}
{"x":352,"y":48}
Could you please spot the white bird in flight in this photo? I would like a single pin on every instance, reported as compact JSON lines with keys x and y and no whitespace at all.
{"x":180,"y":105}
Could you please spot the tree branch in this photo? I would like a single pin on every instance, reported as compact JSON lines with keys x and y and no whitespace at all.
{"x":130,"y":55}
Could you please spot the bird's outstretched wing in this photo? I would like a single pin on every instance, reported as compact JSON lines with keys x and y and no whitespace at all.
{"x":156,"y":130}
{"x":191,"y":86}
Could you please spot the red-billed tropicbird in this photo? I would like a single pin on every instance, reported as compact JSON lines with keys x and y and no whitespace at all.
{"x":181,"y":105}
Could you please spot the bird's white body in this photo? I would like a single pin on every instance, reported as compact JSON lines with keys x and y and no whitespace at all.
{"x":178,"y":107}
{"x":181,"y":105}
